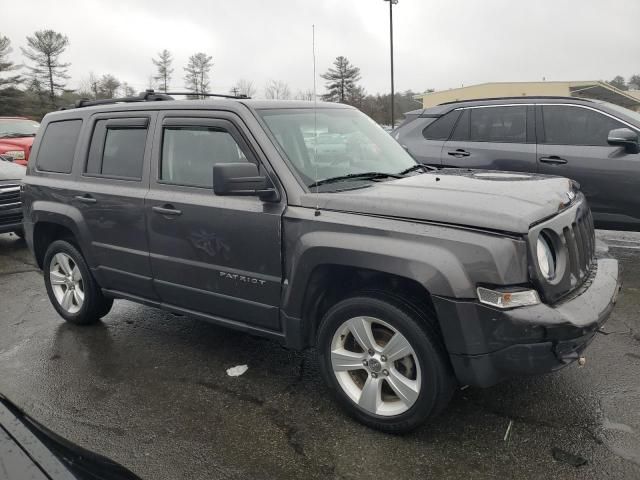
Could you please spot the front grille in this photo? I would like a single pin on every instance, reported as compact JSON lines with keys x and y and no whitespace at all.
{"x":10,"y":219}
{"x":9,"y":196}
{"x":581,"y":246}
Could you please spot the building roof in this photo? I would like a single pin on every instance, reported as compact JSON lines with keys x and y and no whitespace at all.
{"x":594,"y":89}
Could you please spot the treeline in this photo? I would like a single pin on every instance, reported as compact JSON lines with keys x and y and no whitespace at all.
{"x":39,"y":84}
{"x":620,"y":83}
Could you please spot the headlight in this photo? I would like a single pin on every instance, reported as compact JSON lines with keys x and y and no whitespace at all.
{"x":16,"y":154}
{"x":546,"y":258}
{"x":507,"y":298}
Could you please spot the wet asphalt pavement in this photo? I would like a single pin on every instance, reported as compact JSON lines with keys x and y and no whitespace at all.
{"x":150,"y":390}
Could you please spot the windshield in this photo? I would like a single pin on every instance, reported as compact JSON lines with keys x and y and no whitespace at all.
{"x":335,"y":143}
{"x":634,"y":116}
{"x":16,"y":127}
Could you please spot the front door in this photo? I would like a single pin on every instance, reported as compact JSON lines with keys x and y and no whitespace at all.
{"x":215,"y":255}
{"x":493,"y":138}
{"x":573,"y":144}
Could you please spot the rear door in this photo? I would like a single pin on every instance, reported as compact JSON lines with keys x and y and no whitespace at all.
{"x":573,"y":143}
{"x":493,"y":137}
{"x":111,"y":189}
{"x":216,"y":255}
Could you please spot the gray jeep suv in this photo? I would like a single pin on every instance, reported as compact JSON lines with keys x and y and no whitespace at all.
{"x":592,"y":142}
{"x":405,"y":280}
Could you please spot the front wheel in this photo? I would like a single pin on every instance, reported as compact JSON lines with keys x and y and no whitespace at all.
{"x":72,"y":289}
{"x":385,"y":361}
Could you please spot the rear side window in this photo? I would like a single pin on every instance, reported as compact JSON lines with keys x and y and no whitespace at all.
{"x":58,"y":146}
{"x":117,"y":148}
{"x":498,"y":124}
{"x":564,"y":125}
{"x":189,"y":153}
{"x":441,"y":128}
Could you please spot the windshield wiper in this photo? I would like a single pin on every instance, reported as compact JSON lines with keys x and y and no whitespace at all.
{"x":17,"y":135}
{"x":418,"y":166}
{"x":355,"y":176}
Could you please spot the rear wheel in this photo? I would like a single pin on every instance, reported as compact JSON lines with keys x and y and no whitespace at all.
{"x":72,"y":289}
{"x":385,"y":361}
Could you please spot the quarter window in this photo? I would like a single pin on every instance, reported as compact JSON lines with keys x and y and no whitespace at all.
{"x":58,"y":146}
{"x":498,"y":124}
{"x":117,"y":148}
{"x":441,"y":128}
{"x":564,"y":125}
{"x":189,"y":153}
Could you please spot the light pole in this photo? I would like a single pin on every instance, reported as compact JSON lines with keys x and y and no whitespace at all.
{"x":393,"y":97}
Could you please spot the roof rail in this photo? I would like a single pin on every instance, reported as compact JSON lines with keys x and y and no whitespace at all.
{"x":520,"y":97}
{"x":149,"y":95}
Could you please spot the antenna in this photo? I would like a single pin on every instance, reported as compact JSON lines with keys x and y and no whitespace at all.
{"x":315,"y":118}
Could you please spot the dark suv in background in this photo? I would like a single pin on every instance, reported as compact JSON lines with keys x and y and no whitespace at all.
{"x":592,"y":142}
{"x":406,"y":281}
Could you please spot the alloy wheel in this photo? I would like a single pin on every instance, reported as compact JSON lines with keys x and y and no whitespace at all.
{"x":66,"y":282}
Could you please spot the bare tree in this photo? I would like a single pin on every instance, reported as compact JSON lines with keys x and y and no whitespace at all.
{"x":44,"y":49}
{"x":165,"y":70}
{"x":304,"y":95}
{"x":197,"y":73}
{"x":277,"y":90}
{"x":244,"y":87}
{"x":127,"y":90}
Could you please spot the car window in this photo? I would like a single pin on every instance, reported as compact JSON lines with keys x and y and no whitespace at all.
{"x":567,"y":125}
{"x":441,"y":128}
{"x":189,"y":153}
{"x":461,"y":132}
{"x":58,"y":146}
{"x":498,"y":124}
{"x":117,"y":151}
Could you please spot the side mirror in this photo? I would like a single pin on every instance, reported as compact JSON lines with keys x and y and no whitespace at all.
{"x":624,"y":137}
{"x":242,"y":178}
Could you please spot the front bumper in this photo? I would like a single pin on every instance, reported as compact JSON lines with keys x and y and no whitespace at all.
{"x":10,"y":219}
{"x":487,"y":345}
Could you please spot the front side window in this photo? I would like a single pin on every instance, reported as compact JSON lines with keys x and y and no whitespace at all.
{"x":189,"y":153}
{"x":498,"y":124}
{"x":58,"y":146}
{"x":117,"y":148}
{"x":334,"y":142}
{"x":566,"y":125}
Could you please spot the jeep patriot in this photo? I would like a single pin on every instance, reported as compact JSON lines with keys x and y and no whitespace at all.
{"x":406,"y":281}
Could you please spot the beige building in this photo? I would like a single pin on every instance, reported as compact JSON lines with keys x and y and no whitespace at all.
{"x":593,"y":89}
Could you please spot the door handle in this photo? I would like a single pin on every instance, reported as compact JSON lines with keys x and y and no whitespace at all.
{"x":85,"y":198}
{"x":553,"y":160}
{"x":459,"y":153}
{"x":167,"y":210}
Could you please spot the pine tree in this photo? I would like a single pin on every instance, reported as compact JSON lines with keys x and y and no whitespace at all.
{"x":44,"y":49}
{"x":197,"y":73}
{"x":341,"y":81}
{"x":165,"y":70}
{"x":11,"y":97}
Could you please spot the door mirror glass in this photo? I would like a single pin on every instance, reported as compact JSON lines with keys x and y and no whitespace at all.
{"x":624,"y":137}
{"x":241,"y":178}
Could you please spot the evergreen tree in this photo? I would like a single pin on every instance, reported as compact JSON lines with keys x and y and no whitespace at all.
{"x":165,"y":70}
{"x":197,"y":73}
{"x":44,"y":49}
{"x":341,"y":80}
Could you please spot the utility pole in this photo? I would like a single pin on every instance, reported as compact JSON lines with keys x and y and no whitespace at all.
{"x":393,"y":94}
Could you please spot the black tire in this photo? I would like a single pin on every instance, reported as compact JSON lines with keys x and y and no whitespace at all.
{"x":418,"y":326}
{"x":95,"y":305}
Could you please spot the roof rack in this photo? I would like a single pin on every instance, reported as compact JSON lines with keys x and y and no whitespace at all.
{"x":514,"y":97}
{"x":149,"y":95}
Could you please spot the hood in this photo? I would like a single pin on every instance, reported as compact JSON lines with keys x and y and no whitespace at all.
{"x":504,"y":201}
{"x":24,"y":142}
{"x":11,"y":171}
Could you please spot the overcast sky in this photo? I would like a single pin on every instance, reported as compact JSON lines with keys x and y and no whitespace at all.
{"x":438,"y":43}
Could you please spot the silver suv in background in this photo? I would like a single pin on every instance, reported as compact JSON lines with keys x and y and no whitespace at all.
{"x":592,"y":142}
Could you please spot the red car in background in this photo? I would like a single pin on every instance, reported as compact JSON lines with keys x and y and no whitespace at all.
{"x":16,"y":138}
